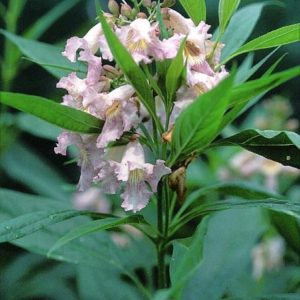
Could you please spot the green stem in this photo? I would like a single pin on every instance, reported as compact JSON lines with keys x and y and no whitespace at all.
{"x":151,"y":143}
{"x":215,"y":47}
{"x":136,"y":5}
{"x":161,"y":239}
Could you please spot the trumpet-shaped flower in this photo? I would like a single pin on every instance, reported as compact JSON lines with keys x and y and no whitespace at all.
{"x":90,"y":157}
{"x":119,"y":117}
{"x":141,"y":40}
{"x":90,"y":42}
{"x":117,"y":111}
{"x":76,"y":86}
{"x":137,"y":174}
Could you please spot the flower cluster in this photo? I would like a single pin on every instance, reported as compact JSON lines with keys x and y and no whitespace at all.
{"x":106,"y":94}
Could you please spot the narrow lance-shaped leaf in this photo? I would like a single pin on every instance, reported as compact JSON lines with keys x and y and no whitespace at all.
{"x":280,"y":146}
{"x":284,"y":206}
{"x":196,"y":9}
{"x":197,"y":125}
{"x":247,"y":69}
{"x":96,"y":226}
{"x":49,"y":56}
{"x":252,"y":90}
{"x":131,"y":70}
{"x":240,"y":27}
{"x":187,"y":258}
{"x":237,"y":188}
{"x":282,"y":36}
{"x":288,"y":228}
{"x":226,"y":10}
{"x":227,"y":246}
{"x":29,"y":223}
{"x":97,"y":250}
{"x":175,"y":75}
{"x":52,"y":112}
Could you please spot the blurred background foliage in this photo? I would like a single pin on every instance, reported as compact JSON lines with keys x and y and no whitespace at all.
{"x":28,"y":162}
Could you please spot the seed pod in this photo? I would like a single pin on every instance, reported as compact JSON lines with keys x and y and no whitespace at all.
{"x":177,"y":183}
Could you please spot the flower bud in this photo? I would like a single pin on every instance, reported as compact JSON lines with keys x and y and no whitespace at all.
{"x":147,"y":3}
{"x":167,"y":136}
{"x":113,"y":7}
{"x":165,"y":13}
{"x":141,"y":15}
{"x":126,"y":11}
{"x":107,"y":84}
{"x":167,"y":3}
{"x":133,"y":13}
{"x":110,"y":71}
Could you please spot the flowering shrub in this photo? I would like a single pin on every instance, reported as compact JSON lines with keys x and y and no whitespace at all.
{"x":149,"y":92}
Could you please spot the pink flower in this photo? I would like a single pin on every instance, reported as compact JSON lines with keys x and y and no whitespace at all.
{"x":90,"y":157}
{"x":135,"y":172}
{"x":117,"y":111}
{"x":194,"y":50}
{"x":141,"y":40}
{"x":120,"y":117}
{"x":90,"y":42}
{"x":107,"y":176}
{"x":177,"y":23}
{"x":77,"y":88}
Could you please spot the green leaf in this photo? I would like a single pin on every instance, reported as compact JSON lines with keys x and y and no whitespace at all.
{"x":102,"y":284}
{"x":54,"y":113}
{"x":253,"y":90}
{"x":48,"y":55}
{"x":240,"y":27}
{"x":15,"y":273}
{"x":284,"y":206}
{"x":246,"y":91}
{"x":227,"y":246}
{"x":95,"y":250}
{"x":96,"y":226}
{"x":131,"y":70}
{"x":280,"y":146}
{"x":37,"y":126}
{"x":44,"y":22}
{"x":196,"y":9}
{"x":187,"y":258}
{"x":282,"y":36}
{"x":245,"y":71}
{"x":288,"y":228}
{"x":14,"y":204}
{"x":247,"y":190}
{"x":226,"y":10}
{"x":197,"y":125}
{"x":25,"y":165}
{"x":175,"y":74}
{"x":29,"y":223}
